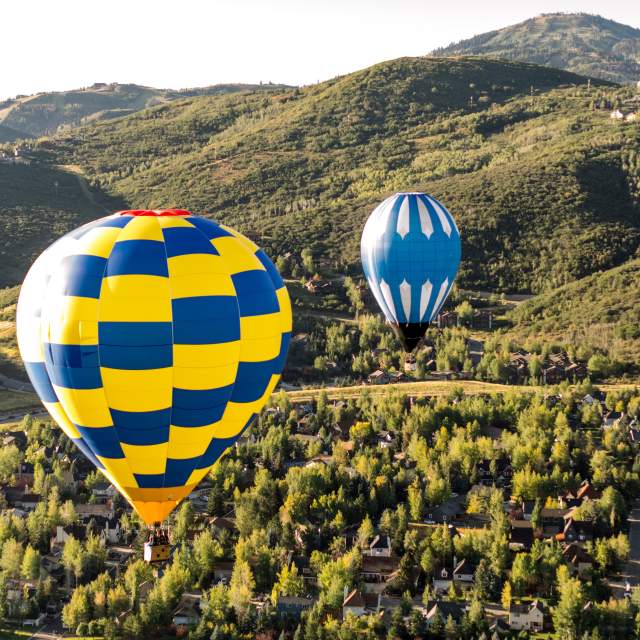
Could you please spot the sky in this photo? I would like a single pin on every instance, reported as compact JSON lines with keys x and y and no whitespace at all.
{"x":53,"y":45}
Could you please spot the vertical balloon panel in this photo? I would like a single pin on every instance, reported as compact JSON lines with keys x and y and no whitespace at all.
{"x":410,"y":253}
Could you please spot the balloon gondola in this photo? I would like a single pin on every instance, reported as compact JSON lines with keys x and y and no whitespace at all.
{"x":410,"y":251}
{"x":153,"y":338}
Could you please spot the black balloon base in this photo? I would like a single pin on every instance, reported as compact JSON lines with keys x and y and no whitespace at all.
{"x":411,"y":334}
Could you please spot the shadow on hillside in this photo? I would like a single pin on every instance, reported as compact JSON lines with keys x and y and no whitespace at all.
{"x":39,"y":204}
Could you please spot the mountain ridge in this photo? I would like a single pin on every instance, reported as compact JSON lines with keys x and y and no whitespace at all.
{"x":541,"y":185}
{"x":583,"y":43}
{"x":47,"y":112}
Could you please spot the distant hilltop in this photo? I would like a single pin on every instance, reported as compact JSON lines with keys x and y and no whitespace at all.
{"x":586,"y":44}
{"x":48,"y":113}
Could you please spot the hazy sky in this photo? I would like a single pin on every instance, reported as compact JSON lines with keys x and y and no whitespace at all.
{"x":64,"y":44}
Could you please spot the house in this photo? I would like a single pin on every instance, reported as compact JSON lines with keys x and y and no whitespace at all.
{"x":103,"y":510}
{"x":612,"y":419}
{"x":552,"y":374}
{"x":380,"y":547}
{"x":385,"y":439}
{"x":104,"y":490}
{"x":108,"y":529}
{"x":464,"y":573}
{"x":27,"y":501}
{"x":305,"y":570}
{"x":223,"y":524}
{"x":586,"y":491}
{"x":410,"y":364}
{"x":552,"y":521}
{"x":580,"y":562}
{"x":579,"y":531}
{"x":568,"y":500}
{"x":36,"y":620}
{"x":378,"y":377}
{"x":499,"y":629}
{"x":441,"y":609}
{"x":526,"y":615}
{"x":482,"y":319}
{"x":187,"y":612}
{"x":294,"y":606}
{"x":521,"y":535}
{"x":222,"y":571}
{"x":63,"y":533}
{"x":443,"y":581}
{"x":444,"y":513}
{"x":527,"y":509}
{"x":447,"y":319}
{"x":354,"y":604}
{"x":377,"y":571}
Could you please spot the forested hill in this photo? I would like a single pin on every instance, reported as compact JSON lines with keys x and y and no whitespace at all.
{"x":582,"y":43}
{"x":602,"y":310}
{"x":45,"y":113}
{"x":543,"y":184}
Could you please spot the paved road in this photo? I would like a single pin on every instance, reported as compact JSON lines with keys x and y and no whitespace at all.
{"x":631,"y":572}
{"x":50,"y":631}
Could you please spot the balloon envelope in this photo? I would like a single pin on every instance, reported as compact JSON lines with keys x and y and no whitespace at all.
{"x":153,"y":338}
{"x":410,"y":252}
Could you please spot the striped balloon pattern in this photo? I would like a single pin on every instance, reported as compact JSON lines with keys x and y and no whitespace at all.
{"x":154,"y":338}
{"x":410,"y":252}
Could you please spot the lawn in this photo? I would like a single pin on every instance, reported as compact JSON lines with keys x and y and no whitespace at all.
{"x":429,"y":388}
{"x":7,"y":633}
{"x":422,"y":388}
{"x":19,"y":402}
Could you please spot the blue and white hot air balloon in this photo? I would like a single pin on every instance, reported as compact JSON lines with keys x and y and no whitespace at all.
{"x":410,"y":251}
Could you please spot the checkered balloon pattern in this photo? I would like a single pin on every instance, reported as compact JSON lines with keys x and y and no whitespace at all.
{"x":154,"y":338}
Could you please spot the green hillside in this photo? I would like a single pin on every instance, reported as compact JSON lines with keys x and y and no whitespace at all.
{"x":601,"y":311}
{"x":582,"y":43}
{"x":39,"y":203}
{"x":543,"y":186}
{"x":7,"y":134}
{"x":46,"y":113}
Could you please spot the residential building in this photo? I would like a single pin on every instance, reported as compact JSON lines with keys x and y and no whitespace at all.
{"x":527,"y":615}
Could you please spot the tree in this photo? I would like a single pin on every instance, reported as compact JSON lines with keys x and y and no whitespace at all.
{"x":599,"y":366}
{"x":11,"y":559}
{"x":365,"y":532}
{"x":10,"y":458}
{"x":183,"y":523}
{"x":78,"y":608}
{"x":416,"y":500}
{"x":354,"y":294}
{"x":485,"y":583}
{"x":73,"y":557}
{"x":68,"y":513}
{"x":241,"y":587}
{"x":567,"y":614}
{"x":206,"y":551}
{"x":307,"y":261}
{"x":30,"y":564}
{"x":465,"y":313}
{"x":506,"y":596}
{"x":118,"y":601}
{"x":289,"y":583}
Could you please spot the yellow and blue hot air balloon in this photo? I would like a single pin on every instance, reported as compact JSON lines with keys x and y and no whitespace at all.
{"x":154,"y":338}
{"x":410,"y":251}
